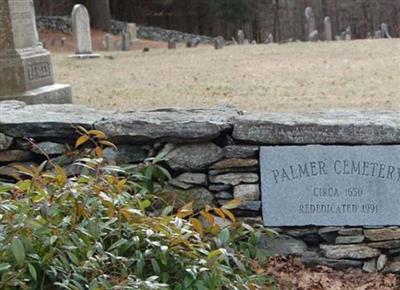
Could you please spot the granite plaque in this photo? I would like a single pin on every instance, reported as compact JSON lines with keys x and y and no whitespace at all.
{"x":330,"y":185}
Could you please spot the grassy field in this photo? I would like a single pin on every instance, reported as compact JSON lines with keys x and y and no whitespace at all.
{"x":362,"y":75}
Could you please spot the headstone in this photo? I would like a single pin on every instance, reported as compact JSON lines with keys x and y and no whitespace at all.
{"x":330,"y":185}
{"x":270,"y":39}
{"x":378,"y":34}
{"x":240,"y":37}
{"x":234,"y":41}
{"x":171,"y":44}
{"x":219,"y":42}
{"x":328,"y":29}
{"x":347,"y":33}
{"x":109,"y":42}
{"x":125,"y":41}
{"x":314,"y":36}
{"x":253,"y":42}
{"x":369,"y":35}
{"x":246,"y":41}
{"x":310,"y":22}
{"x":26,"y":72}
{"x":194,"y":42}
{"x":81,"y":31}
{"x":132,"y":32}
{"x":385,"y":30}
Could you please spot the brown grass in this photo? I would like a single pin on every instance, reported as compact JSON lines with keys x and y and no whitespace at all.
{"x":363,"y":74}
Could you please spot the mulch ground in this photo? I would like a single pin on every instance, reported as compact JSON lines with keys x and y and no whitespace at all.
{"x":290,"y":274}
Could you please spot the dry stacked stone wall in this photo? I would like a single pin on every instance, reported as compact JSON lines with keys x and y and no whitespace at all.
{"x":64,"y":24}
{"x":213,"y":155}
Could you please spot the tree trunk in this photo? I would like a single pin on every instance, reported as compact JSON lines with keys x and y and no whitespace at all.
{"x":100,"y":14}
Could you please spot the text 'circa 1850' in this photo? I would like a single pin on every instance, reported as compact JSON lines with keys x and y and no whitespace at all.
{"x":330,"y":185}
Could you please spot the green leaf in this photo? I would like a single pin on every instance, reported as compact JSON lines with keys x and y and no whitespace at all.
{"x":155,"y":265}
{"x":18,"y":251}
{"x":117,"y":244}
{"x":213,"y":257}
{"x":167,"y":210}
{"x":32,"y":271}
{"x":74,"y":259}
{"x":224,"y":235}
{"x":4,"y":267}
{"x":145,"y":204}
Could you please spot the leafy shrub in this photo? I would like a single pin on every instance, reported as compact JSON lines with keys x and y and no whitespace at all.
{"x":109,"y":228}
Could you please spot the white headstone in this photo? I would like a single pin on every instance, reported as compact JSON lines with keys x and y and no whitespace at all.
{"x":385,"y":30}
{"x":310,"y":22}
{"x":132,"y":31}
{"x":270,"y":39}
{"x":240,"y":36}
{"x":81,"y":30}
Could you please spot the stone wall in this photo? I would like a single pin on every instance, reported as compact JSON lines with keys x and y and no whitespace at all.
{"x":63,"y":23}
{"x":213,"y":157}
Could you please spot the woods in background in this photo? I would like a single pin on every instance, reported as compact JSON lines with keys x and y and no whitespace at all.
{"x":283,"y":18}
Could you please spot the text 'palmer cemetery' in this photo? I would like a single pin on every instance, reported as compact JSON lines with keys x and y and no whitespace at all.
{"x":330,"y":185}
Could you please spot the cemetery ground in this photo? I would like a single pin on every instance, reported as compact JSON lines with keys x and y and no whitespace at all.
{"x":361,"y":74}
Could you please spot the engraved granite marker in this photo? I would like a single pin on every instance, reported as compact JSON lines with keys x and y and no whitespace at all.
{"x":26,"y":72}
{"x":330,"y":185}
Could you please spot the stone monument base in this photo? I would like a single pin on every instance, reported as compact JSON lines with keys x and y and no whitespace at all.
{"x":84,"y":56}
{"x":51,"y":94}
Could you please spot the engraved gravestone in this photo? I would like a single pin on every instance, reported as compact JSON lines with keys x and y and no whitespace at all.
{"x":26,"y":72}
{"x":81,"y":31}
{"x":330,"y":185}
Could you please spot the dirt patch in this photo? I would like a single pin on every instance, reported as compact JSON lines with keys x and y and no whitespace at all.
{"x":53,"y":41}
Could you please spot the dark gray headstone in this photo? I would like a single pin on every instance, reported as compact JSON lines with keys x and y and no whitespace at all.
{"x":330,"y":185}
{"x":219,"y":42}
{"x":171,"y":44}
{"x":328,"y":36}
{"x":125,"y":41}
